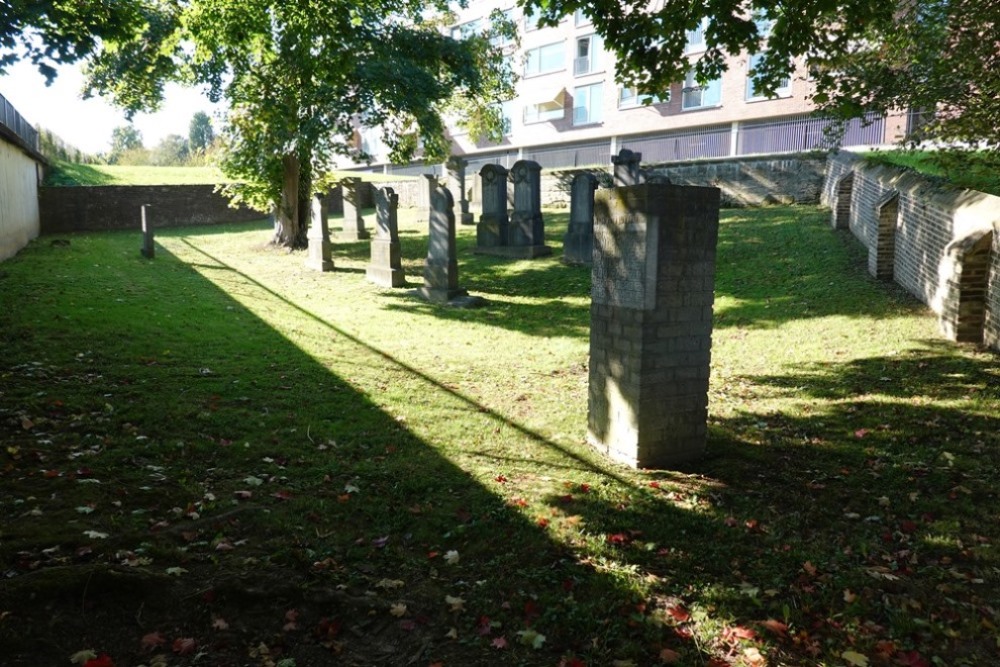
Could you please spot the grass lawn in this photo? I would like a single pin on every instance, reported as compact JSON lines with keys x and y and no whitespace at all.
{"x":72,"y":174}
{"x":219,"y":457}
{"x":975,"y":171}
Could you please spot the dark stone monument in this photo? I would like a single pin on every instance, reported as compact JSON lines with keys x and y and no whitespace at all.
{"x":626,"y":168}
{"x":319,"y":258}
{"x":456,"y":170}
{"x":491,"y":232}
{"x":527,"y":227}
{"x":386,"y":267}
{"x":427,"y":195}
{"x":578,"y":245}
{"x":651,"y":322}
{"x":441,"y":267}
{"x":354,"y":225}
{"x":148,"y":250}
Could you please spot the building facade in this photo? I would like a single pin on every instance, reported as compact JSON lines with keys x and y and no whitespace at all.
{"x":570,"y":111}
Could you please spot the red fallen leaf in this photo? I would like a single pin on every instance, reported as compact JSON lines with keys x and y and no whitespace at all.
{"x":911,"y":659}
{"x":568,"y":498}
{"x":499,"y":643}
{"x":49,"y":474}
{"x":655,"y":485}
{"x":102,"y":660}
{"x":618,"y":538}
{"x":861,"y":432}
{"x":152,"y":640}
{"x":679,"y":613}
{"x":809,"y":568}
{"x":531,"y":609}
{"x":328,"y":628}
{"x":282,"y":495}
{"x":572,"y":662}
{"x":484,"y":626}
{"x":189,"y":535}
{"x":718,"y":662}
{"x":731,"y":521}
{"x":501,"y":479}
{"x":776,"y":627}
{"x":542,"y":522}
{"x":753,"y":526}
{"x":585,"y":488}
{"x":519,"y":502}
{"x":185,"y":645}
{"x":736,"y":632}
{"x":669,"y":656}
{"x":292,"y":615}
{"x":432,"y":554}
{"x":908,"y":527}
{"x":408,"y":625}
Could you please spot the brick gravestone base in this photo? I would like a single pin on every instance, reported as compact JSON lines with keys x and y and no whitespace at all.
{"x":651,"y":322}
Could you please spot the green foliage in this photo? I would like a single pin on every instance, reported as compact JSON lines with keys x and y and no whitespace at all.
{"x":975,"y":170}
{"x":201,"y":134}
{"x":172,"y":151}
{"x":69,"y":174}
{"x":126,"y":144}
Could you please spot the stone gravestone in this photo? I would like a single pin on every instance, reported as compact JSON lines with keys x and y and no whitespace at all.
{"x":578,"y":244}
{"x":319,"y":258}
{"x":526,"y":237}
{"x":491,"y":232}
{"x":354,"y":224}
{"x":651,"y":322}
{"x":626,"y":168}
{"x":456,"y":170}
{"x":386,"y":267}
{"x":427,"y":196}
{"x":148,"y":249}
{"x":441,"y":267}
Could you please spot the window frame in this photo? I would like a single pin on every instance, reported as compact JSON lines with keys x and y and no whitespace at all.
{"x":691,"y":85}
{"x":527,"y":59}
{"x":591,"y":108}
{"x":779,"y":93}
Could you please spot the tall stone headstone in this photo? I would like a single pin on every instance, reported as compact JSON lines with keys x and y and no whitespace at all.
{"x":651,"y":322}
{"x":319,"y":258}
{"x":148,"y":249}
{"x":456,"y":171}
{"x":430,"y":184}
{"x":441,"y":267}
{"x":626,"y":168}
{"x":578,"y":244}
{"x":527,"y":226}
{"x":354,"y":225}
{"x":491,"y":232}
{"x":386,"y":267}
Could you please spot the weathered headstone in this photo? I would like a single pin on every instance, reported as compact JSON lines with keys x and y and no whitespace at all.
{"x":626,"y":168}
{"x":578,"y":244}
{"x":491,"y":232}
{"x":456,"y":170}
{"x":354,"y":225}
{"x":386,"y":267}
{"x":651,"y":322}
{"x":148,"y":249}
{"x":427,"y":196}
{"x":319,"y":258}
{"x":527,"y":226}
{"x":441,"y":267}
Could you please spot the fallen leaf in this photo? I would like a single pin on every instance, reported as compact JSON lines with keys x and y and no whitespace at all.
{"x":499,"y":643}
{"x":219,"y":623}
{"x":152,"y":641}
{"x":398,"y":610}
{"x":854,"y":658}
{"x":809,"y":568}
{"x":776,"y":627}
{"x":669,"y":656}
{"x":455,"y":603}
{"x":679,"y":613}
{"x":451,"y":557}
{"x":103,"y":660}
{"x":95,"y":535}
{"x":175,"y":571}
{"x":752,"y":656}
{"x":80,"y":657}
{"x":389,"y":584}
{"x":452,"y":634}
{"x":185,"y":645}
{"x":531,"y":638}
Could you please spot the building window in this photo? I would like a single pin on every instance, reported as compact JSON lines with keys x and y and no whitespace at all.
{"x":784,"y":88}
{"x":545,"y":59}
{"x":696,"y":38}
{"x":507,"y":116}
{"x":531,"y":20}
{"x":629,"y":98}
{"x":763,"y":23}
{"x":466,"y":30}
{"x":543,"y":111}
{"x":588,"y":55}
{"x":587,"y":104}
{"x":699,"y":96}
{"x":580,"y":19}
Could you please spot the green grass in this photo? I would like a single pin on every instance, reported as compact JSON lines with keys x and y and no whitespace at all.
{"x":73,"y":174}
{"x":974,"y":171}
{"x":308,"y":449}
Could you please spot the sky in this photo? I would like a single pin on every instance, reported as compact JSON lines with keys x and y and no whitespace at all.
{"x":87,"y":124}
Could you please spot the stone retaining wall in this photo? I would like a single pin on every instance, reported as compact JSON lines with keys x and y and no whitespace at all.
{"x":936,"y":241}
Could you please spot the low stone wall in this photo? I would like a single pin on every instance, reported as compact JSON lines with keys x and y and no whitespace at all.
{"x":110,"y":207}
{"x":938,"y":242}
{"x":743,"y":181}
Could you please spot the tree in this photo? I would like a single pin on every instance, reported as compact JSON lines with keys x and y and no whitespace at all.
{"x":300,"y":76}
{"x":862,"y":55}
{"x":124,"y":138}
{"x":172,"y":151}
{"x":200,"y":132}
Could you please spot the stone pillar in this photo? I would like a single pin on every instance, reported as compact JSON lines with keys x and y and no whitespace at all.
{"x":427,"y":196}
{"x":354,"y":224}
{"x":527,"y":227}
{"x":491,"y":232}
{"x":626,"y":168}
{"x":148,"y":249}
{"x":456,"y":170}
{"x":386,"y":267}
{"x":578,"y":244}
{"x":441,"y":267}
{"x":319,"y":238}
{"x":651,"y":322}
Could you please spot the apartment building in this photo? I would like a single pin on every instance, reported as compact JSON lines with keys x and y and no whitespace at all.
{"x":571,"y":111}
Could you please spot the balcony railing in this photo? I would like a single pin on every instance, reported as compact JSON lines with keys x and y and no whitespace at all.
{"x":584,"y":65}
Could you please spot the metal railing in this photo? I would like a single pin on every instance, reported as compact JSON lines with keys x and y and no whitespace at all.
{"x":805,"y":133}
{"x":15,"y":122}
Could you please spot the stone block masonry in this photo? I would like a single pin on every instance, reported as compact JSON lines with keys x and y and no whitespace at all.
{"x":653,"y":284}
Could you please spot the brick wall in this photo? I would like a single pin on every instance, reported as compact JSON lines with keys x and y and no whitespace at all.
{"x":743,"y":181}
{"x":941,"y":241}
{"x":991,"y":329}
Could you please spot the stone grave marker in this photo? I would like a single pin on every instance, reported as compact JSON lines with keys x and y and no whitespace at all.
{"x":626,"y":168}
{"x":386,"y":267}
{"x":527,"y":226}
{"x":148,"y":249}
{"x":651,"y":322}
{"x":491,"y":232}
{"x":456,"y":171}
{"x":578,"y":244}
{"x":319,"y":258}
{"x":441,"y":267}
{"x":354,"y":225}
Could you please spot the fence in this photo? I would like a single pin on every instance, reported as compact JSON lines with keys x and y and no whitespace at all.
{"x":15,"y":122}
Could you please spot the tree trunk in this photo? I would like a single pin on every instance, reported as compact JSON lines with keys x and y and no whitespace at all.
{"x":305,"y":195}
{"x":288,"y":230}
